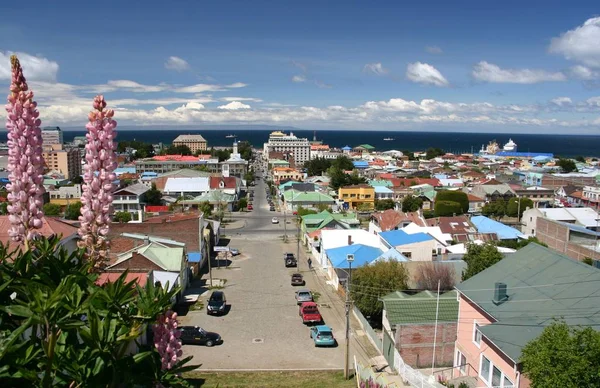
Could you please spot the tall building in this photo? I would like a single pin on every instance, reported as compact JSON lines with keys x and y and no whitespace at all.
{"x":52,"y":135}
{"x":280,"y":142}
{"x":66,"y":162}
{"x":194,"y":142}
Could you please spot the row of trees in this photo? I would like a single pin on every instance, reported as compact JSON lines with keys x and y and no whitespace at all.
{"x":319,"y":166}
{"x":511,"y":208}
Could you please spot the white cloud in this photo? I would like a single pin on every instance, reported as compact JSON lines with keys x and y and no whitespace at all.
{"x":190,"y":106}
{"x":236,"y":85}
{"x":299,"y":78}
{"x":177,"y":64}
{"x":234,"y":105}
{"x":229,"y":99}
{"x":322,"y":85}
{"x":433,"y":50}
{"x":199,"y":88}
{"x":375,"y":68}
{"x":424,"y":73}
{"x":35,"y":68}
{"x":581,"y":44}
{"x":583,"y":72}
{"x":561,"y":101}
{"x":488,"y":72}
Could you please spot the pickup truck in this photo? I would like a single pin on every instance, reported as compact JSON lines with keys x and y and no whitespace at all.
{"x":310,"y":313}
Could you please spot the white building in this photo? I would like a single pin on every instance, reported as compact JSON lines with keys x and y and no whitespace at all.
{"x":191,"y":187}
{"x":280,"y":142}
{"x":582,"y":216}
{"x":52,"y":135}
{"x":131,"y":199}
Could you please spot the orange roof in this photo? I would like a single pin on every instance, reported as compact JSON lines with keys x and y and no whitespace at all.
{"x":319,"y":147}
{"x":50,"y":226}
{"x":473,"y":198}
{"x":283,"y":169}
{"x":140,"y":277}
{"x":175,"y":158}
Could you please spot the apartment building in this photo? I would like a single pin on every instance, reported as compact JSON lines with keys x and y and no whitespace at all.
{"x":280,"y":142}
{"x":193,"y":142}
{"x":357,"y":195}
{"x":52,"y":135}
{"x":66,"y":162}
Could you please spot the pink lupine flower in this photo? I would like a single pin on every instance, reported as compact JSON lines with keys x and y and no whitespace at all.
{"x":98,"y":178}
{"x":25,"y":161}
{"x":166,"y":339}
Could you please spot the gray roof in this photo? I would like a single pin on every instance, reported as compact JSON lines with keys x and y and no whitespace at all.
{"x":542,"y":285}
{"x":137,"y":189}
{"x":402,"y":308}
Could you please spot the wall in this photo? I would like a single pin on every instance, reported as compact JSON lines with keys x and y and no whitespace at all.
{"x":529,"y":220}
{"x":468,"y":314}
{"x":415,"y":344}
{"x":421,"y":251}
{"x":557,"y":237}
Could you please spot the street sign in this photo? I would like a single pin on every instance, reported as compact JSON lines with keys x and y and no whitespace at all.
{"x":221,"y":249}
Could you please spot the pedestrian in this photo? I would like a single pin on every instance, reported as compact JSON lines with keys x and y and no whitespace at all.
{"x":309,"y":263}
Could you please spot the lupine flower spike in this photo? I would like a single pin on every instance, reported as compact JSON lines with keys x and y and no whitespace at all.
{"x":166,"y":339}
{"x":98,"y":178}
{"x":25,"y":161}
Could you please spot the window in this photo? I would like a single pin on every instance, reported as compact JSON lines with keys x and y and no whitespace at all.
{"x":507,"y":382}
{"x":461,"y":362}
{"x":484,"y":369}
{"x":492,"y":375}
{"x":477,"y":335}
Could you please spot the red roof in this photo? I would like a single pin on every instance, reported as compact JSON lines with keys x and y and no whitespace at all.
{"x":105,"y":277}
{"x":50,"y":226}
{"x":408,"y":182}
{"x":228,"y":182}
{"x":175,"y":158}
{"x":473,"y":198}
{"x":157,"y":209}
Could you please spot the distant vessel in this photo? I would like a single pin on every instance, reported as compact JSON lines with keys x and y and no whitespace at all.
{"x":511,"y":146}
{"x":230,"y":137}
{"x":491,"y":149}
{"x":389,"y":139}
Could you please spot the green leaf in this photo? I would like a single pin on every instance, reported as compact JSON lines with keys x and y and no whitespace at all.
{"x":19,"y":311}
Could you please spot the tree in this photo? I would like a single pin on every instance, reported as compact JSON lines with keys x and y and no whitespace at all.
{"x":317,"y":166}
{"x":73,"y":211}
{"x":518,"y":244}
{"x":411,"y":155}
{"x":566,"y":165}
{"x":372,"y":281}
{"x":51,"y":209}
{"x":206,"y":209}
{"x":411,"y":203}
{"x":245,"y":150}
{"x":563,"y":356}
{"x":77,"y":180}
{"x":513,"y":209}
{"x":384,"y":204}
{"x":337,"y":178}
{"x":302,"y":211}
{"x":454,"y":196}
{"x":153,"y":196}
{"x":496,"y":209}
{"x":343,"y":162}
{"x":178,"y":150}
{"x":580,"y":159}
{"x":433,"y":153}
{"x":447,"y":208}
{"x":429,"y":274}
{"x":249,"y":177}
{"x":323,"y":206}
{"x":480,"y":257}
{"x":3,"y":208}
{"x":364,"y":207}
{"x":242,"y":203}
{"x":122,"y":217}
{"x":221,"y":154}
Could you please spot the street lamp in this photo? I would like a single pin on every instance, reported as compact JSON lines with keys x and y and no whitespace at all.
{"x":349,"y":259}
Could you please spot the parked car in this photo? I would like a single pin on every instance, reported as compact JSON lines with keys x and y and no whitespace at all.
{"x":217,"y":303}
{"x":250,"y":207}
{"x":303,"y":295}
{"x":290,"y":260}
{"x":234,"y":251}
{"x":322,"y":335}
{"x":298,"y":279}
{"x":272,"y":208}
{"x":194,"y":335}
{"x":310,"y":313}
{"x":274,"y":220}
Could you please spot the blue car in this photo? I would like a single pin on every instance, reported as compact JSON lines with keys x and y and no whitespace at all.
{"x":322,"y":335}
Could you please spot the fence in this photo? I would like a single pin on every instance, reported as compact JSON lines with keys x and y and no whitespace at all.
{"x":366,"y":377}
{"x":373,"y":337}
{"x":412,"y":376}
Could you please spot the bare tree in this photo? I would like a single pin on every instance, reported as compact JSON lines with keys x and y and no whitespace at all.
{"x":428,"y":275}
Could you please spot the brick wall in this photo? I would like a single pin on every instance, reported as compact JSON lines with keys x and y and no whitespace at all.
{"x":185,"y":231}
{"x":415,"y":344}
{"x":556,"y":236}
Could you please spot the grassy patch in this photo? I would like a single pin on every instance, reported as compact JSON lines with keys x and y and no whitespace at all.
{"x":197,"y":306}
{"x":316,"y":296}
{"x":288,"y":379}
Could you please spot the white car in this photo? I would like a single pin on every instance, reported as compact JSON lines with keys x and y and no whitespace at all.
{"x":274,"y":220}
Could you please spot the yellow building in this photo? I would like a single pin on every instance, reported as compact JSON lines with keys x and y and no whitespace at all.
{"x":66,"y":162}
{"x":194,"y":142}
{"x":357,"y":195}
{"x":280,"y":173}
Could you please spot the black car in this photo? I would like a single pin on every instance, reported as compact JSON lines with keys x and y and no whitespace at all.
{"x":290,"y":260}
{"x":217,"y":303}
{"x":272,"y":208}
{"x":194,"y":335}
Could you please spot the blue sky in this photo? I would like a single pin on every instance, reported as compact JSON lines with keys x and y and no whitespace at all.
{"x":435,"y":65}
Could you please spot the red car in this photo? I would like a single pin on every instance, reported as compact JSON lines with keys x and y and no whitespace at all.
{"x":249,"y":207}
{"x":310,"y":313}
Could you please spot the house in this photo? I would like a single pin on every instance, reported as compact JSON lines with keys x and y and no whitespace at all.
{"x":280,"y":173}
{"x":294,"y":198}
{"x":487,"y":225}
{"x":357,"y":195}
{"x":410,"y":323}
{"x":217,"y":198}
{"x":459,"y":228}
{"x":364,"y":148}
{"x":458,"y":251}
{"x":130,"y":199}
{"x":491,"y":192}
{"x":475,"y":203}
{"x":337,"y":260}
{"x":583,"y":216}
{"x":186,"y":187}
{"x":383,"y":192}
{"x":332,"y":238}
{"x":50,"y":227}
{"x":313,"y":222}
{"x":507,"y":305}
{"x":575,"y":241}
{"x":392,"y":220}
{"x":472,"y":176}
{"x":442,"y":240}
{"x":540,"y":196}
{"x":415,"y":247}
{"x":161,"y":179}
{"x":229,"y":185}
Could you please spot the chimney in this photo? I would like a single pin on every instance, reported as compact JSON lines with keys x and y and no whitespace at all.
{"x":349,"y":240}
{"x":500,"y":294}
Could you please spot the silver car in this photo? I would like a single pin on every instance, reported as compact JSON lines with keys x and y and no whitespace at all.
{"x":303,"y":295}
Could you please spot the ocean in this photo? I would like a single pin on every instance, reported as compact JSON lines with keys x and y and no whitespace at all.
{"x":455,"y":142}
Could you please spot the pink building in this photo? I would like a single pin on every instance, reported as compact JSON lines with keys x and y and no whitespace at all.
{"x":507,"y":305}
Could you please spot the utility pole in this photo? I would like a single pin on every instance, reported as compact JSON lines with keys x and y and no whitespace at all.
{"x":349,"y":259}
{"x":298,"y":242}
{"x":437,"y":310}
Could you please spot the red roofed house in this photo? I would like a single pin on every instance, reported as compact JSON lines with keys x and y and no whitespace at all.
{"x":393,"y":220}
{"x":50,"y":227}
{"x":475,"y":203}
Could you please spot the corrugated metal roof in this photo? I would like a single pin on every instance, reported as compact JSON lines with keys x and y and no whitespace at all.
{"x":399,"y":237}
{"x":402,"y":308}
{"x":363,"y":254}
{"x":487,"y":225}
{"x":187,"y":185}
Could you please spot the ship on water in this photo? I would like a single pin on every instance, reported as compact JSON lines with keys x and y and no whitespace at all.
{"x":509,"y":150}
{"x":388,"y":139}
{"x":230,"y":137}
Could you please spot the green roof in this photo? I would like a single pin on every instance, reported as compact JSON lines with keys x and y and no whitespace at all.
{"x":168,"y":258}
{"x":286,"y":184}
{"x":312,"y":222}
{"x":366,"y":146}
{"x":405,"y":309}
{"x":541,"y":285}
{"x":309,"y":196}
{"x":383,"y":182}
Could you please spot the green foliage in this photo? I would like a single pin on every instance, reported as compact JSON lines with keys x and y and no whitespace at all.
{"x":411,"y":203}
{"x":588,"y":260}
{"x":480,"y":257}
{"x":3,"y":208}
{"x":428,"y":214}
{"x":142,"y":150}
{"x":51,"y":209}
{"x":372,"y":281}
{"x":84,"y":331}
{"x":73,"y":211}
{"x":364,"y":207}
{"x":77,"y":180}
{"x":563,"y":356}
{"x":566,"y":165}
{"x":496,"y":209}
{"x":245,"y":150}
{"x":206,"y":209}
{"x":410,"y":154}
{"x":513,"y":209}
{"x":242,"y":203}
{"x":221,"y":154}
{"x":447,"y":208}
{"x":249,"y":177}
{"x":122,"y":217}
{"x":323,"y":206}
{"x":153,"y":196}
{"x":580,"y":159}
{"x":317,"y":166}
{"x":518,"y":244}
{"x":455,"y":196}
{"x":433,"y":153}
{"x":301,"y":211}
{"x":177,"y":150}
{"x":343,"y":162}
{"x":384,"y":204}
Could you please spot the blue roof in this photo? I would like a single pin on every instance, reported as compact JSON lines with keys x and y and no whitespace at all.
{"x":393,"y":254}
{"x":194,"y":257}
{"x":122,"y":170}
{"x":541,"y":158}
{"x":400,"y":237}
{"x":383,"y":190}
{"x":363,"y":254}
{"x":487,"y":225}
{"x":360,"y":163}
{"x":347,"y":148}
{"x":149,"y":173}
